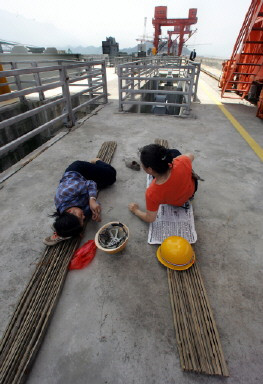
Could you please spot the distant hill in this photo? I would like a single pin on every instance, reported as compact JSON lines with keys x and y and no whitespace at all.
{"x":91,"y":50}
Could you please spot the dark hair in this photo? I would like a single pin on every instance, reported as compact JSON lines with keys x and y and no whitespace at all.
{"x":157,"y":157}
{"x":66,"y":224}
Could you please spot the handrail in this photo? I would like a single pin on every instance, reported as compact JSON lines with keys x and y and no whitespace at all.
{"x":140,"y":73}
{"x":65,"y":82}
{"x":28,"y":91}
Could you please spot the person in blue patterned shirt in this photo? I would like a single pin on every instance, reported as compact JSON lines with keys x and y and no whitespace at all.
{"x":76,"y":196}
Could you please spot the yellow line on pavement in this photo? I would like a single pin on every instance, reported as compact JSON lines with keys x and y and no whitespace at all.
{"x":241,"y":130}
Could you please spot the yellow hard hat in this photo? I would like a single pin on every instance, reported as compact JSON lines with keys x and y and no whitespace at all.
{"x":175,"y":252}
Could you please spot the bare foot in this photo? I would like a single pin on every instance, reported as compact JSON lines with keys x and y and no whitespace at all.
{"x":93,"y":161}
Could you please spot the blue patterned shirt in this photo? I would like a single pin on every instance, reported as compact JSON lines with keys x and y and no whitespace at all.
{"x":74,"y":191}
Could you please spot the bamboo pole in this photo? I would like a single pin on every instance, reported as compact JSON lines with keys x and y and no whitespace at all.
{"x":212,"y":322}
{"x":199,"y":347}
{"x":210,"y":342}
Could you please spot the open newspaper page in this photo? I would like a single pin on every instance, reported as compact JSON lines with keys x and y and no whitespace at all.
{"x":172,"y":221}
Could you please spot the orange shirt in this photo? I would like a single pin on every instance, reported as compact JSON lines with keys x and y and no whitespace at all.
{"x":176,"y":190}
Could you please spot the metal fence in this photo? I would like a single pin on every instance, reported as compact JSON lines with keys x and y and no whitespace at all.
{"x":52,"y":78}
{"x":144,"y":77}
{"x":149,"y":59}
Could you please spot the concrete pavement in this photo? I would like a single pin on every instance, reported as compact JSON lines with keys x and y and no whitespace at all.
{"x":113,"y":322}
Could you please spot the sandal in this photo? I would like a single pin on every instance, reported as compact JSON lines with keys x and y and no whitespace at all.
{"x":54,"y":239}
{"x":132,"y":163}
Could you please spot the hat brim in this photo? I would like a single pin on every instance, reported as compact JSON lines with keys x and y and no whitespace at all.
{"x":176,"y":268}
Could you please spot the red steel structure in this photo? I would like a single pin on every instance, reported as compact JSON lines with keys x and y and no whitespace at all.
{"x":176,"y":31}
{"x":181,"y":27}
{"x":242,"y":75}
{"x":172,"y":42}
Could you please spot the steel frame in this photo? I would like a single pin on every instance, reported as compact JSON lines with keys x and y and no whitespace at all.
{"x":245,"y":67}
{"x":134,"y":75}
{"x":181,"y":26}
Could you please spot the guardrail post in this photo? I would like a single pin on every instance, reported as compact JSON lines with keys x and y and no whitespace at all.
{"x":89,"y":70}
{"x":104,"y":80}
{"x":37,"y":78}
{"x":116,"y":62}
{"x":190,"y":72}
{"x":132,"y":82}
{"x":66,"y":93}
{"x":19,"y":84}
{"x":197,"y":73}
{"x":120,"y":87}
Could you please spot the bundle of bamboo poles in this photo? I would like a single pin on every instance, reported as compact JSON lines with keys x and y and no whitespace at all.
{"x":29,"y":322}
{"x":196,"y":331}
{"x":106,"y":151}
{"x":162,"y":142}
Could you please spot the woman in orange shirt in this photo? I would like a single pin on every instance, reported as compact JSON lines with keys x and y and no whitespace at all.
{"x":173,"y":182}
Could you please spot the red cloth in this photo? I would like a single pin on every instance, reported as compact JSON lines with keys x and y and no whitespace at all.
{"x":176,"y":190}
{"x":83,"y":255}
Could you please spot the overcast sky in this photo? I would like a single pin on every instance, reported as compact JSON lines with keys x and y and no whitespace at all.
{"x":84,"y":22}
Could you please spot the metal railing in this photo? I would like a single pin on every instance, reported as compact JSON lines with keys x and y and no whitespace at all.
{"x":55,"y":78}
{"x":137,"y":78}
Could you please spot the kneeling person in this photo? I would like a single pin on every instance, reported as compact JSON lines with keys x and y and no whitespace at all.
{"x":173,"y":181}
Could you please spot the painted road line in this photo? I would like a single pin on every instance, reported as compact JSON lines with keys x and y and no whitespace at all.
{"x":241,"y":130}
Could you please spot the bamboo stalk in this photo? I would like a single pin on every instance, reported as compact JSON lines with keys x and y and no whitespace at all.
{"x":175,"y":317}
{"x":32,"y":313}
{"x":212,"y":355}
{"x":199,"y":326}
{"x":12,"y":326}
{"x":212,"y":322}
{"x":45,"y":313}
{"x":195,"y":339}
{"x":162,"y":142}
{"x":185,"y":335}
{"x":178,"y":324}
{"x":191,"y":313}
{"x":186,"y":325}
{"x":20,"y":329}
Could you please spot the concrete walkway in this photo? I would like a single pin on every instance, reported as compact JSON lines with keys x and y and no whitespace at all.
{"x":113,"y":323}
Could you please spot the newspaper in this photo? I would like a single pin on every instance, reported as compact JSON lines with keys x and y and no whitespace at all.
{"x":172,"y":221}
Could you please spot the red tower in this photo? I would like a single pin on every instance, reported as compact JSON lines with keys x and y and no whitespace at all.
{"x":181,"y":26}
{"x":242,"y":74}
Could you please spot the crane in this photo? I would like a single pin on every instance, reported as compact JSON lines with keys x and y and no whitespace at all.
{"x":181,"y":26}
{"x":145,"y":37}
{"x":176,"y":31}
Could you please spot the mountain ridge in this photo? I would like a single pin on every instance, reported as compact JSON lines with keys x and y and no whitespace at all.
{"x":92,"y":50}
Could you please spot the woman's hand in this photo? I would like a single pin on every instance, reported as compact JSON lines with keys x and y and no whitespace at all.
{"x":133,"y":207}
{"x":95,"y":209}
{"x":148,"y":216}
